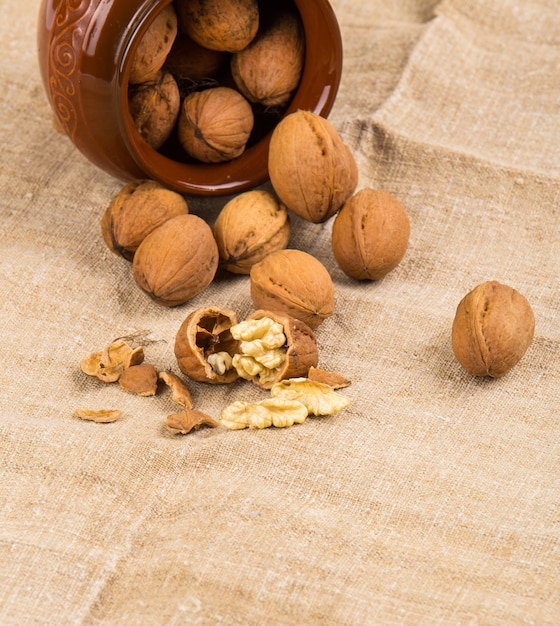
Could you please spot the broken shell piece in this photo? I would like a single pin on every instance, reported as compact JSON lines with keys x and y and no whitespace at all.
{"x":336,"y":381}
{"x":140,"y":379}
{"x":180,"y":393}
{"x":103,"y":416}
{"x":108,"y":364}
{"x":185,"y":421}
{"x":279,"y":412}
{"x":318,"y":398}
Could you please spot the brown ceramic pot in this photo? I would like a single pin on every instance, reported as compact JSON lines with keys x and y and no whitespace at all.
{"x":85,"y":52}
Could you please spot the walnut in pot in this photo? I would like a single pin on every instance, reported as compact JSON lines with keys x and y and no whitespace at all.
{"x":190,"y":61}
{"x":269,"y":69}
{"x":215,"y":124}
{"x":154,"y":107}
{"x":370,"y":234}
{"x":248,"y":228}
{"x":294,"y":282}
{"x":138,"y":209}
{"x":311,"y":169}
{"x":177,"y":260}
{"x":493,"y":327}
{"x":227,"y":25}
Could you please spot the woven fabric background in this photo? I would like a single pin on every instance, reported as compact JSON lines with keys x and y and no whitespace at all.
{"x":433,"y":499}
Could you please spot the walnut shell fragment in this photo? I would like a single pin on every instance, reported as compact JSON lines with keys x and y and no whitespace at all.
{"x":204,"y":346}
{"x":177,"y":260}
{"x":294,"y":282}
{"x":332,"y":379}
{"x":185,"y":421}
{"x":137,"y":210}
{"x":215,"y":124}
{"x":493,"y":327}
{"x":318,"y":398}
{"x":180,"y":393}
{"x":101,"y":416}
{"x":248,"y":228}
{"x":108,"y":364}
{"x":227,"y":25}
{"x":140,"y":379}
{"x":273,"y":346}
{"x":311,"y":169}
{"x":278,"y":412}
{"x":269,"y":69}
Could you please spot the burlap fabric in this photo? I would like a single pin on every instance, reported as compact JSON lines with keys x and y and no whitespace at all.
{"x":433,"y":499}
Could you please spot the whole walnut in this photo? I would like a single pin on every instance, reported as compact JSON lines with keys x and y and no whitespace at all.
{"x":215,"y":124}
{"x":154,"y":107}
{"x":295,"y":283}
{"x":188,"y":60}
{"x":154,"y":46}
{"x":493,"y":327}
{"x":138,"y":209}
{"x":370,"y":234}
{"x":176,"y":261}
{"x":269,"y":69}
{"x":311,"y":169}
{"x":228,"y":25}
{"x":248,"y":228}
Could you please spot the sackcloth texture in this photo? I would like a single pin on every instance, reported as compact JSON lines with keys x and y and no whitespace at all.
{"x":434,"y":498}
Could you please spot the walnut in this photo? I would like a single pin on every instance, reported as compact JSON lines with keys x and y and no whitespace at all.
{"x":370,"y":234}
{"x":492,"y":329}
{"x":137,"y":209}
{"x":154,"y":46}
{"x":273,"y":346}
{"x":269,"y":69}
{"x":204,"y":346}
{"x":318,"y":398}
{"x":185,"y":421}
{"x":278,"y":412}
{"x":215,"y":124}
{"x":190,"y":61}
{"x":109,"y":363}
{"x":140,"y":379}
{"x":228,"y":25}
{"x":248,"y":228}
{"x":154,"y":107}
{"x":311,"y":169}
{"x":102,"y":416}
{"x":294,"y":282}
{"x":177,"y":260}
{"x":180,"y":393}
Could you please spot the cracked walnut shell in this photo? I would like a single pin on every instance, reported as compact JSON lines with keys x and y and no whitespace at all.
{"x":294,"y":282}
{"x":492,"y":329}
{"x":177,"y":260}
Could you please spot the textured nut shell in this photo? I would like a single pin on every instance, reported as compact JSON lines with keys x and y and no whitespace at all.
{"x":227,"y":25}
{"x":311,"y":169}
{"x":154,"y":46}
{"x":140,"y":379}
{"x":269,"y":69}
{"x":493,"y":327}
{"x":177,"y":260}
{"x":154,"y":107}
{"x":188,"y":60}
{"x":215,"y":124}
{"x":294,"y":282}
{"x":248,"y":228}
{"x":370,"y":234}
{"x":138,"y":209}
{"x":302,"y":352}
{"x":204,"y":332}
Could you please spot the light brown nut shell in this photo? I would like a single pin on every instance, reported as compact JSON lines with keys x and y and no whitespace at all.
{"x":269,"y":69}
{"x":248,"y":228}
{"x":183,"y":422}
{"x":204,"y":332}
{"x":493,"y":327}
{"x":140,"y":379}
{"x":311,"y":169}
{"x":177,"y":260}
{"x":370,"y":234}
{"x":293,"y":282}
{"x":302,"y":352}
{"x":227,"y":25}
{"x":215,"y":124}
{"x":138,"y":209}
{"x":154,"y":46}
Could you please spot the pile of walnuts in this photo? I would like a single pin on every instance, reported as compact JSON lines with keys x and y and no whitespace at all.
{"x":209,"y":75}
